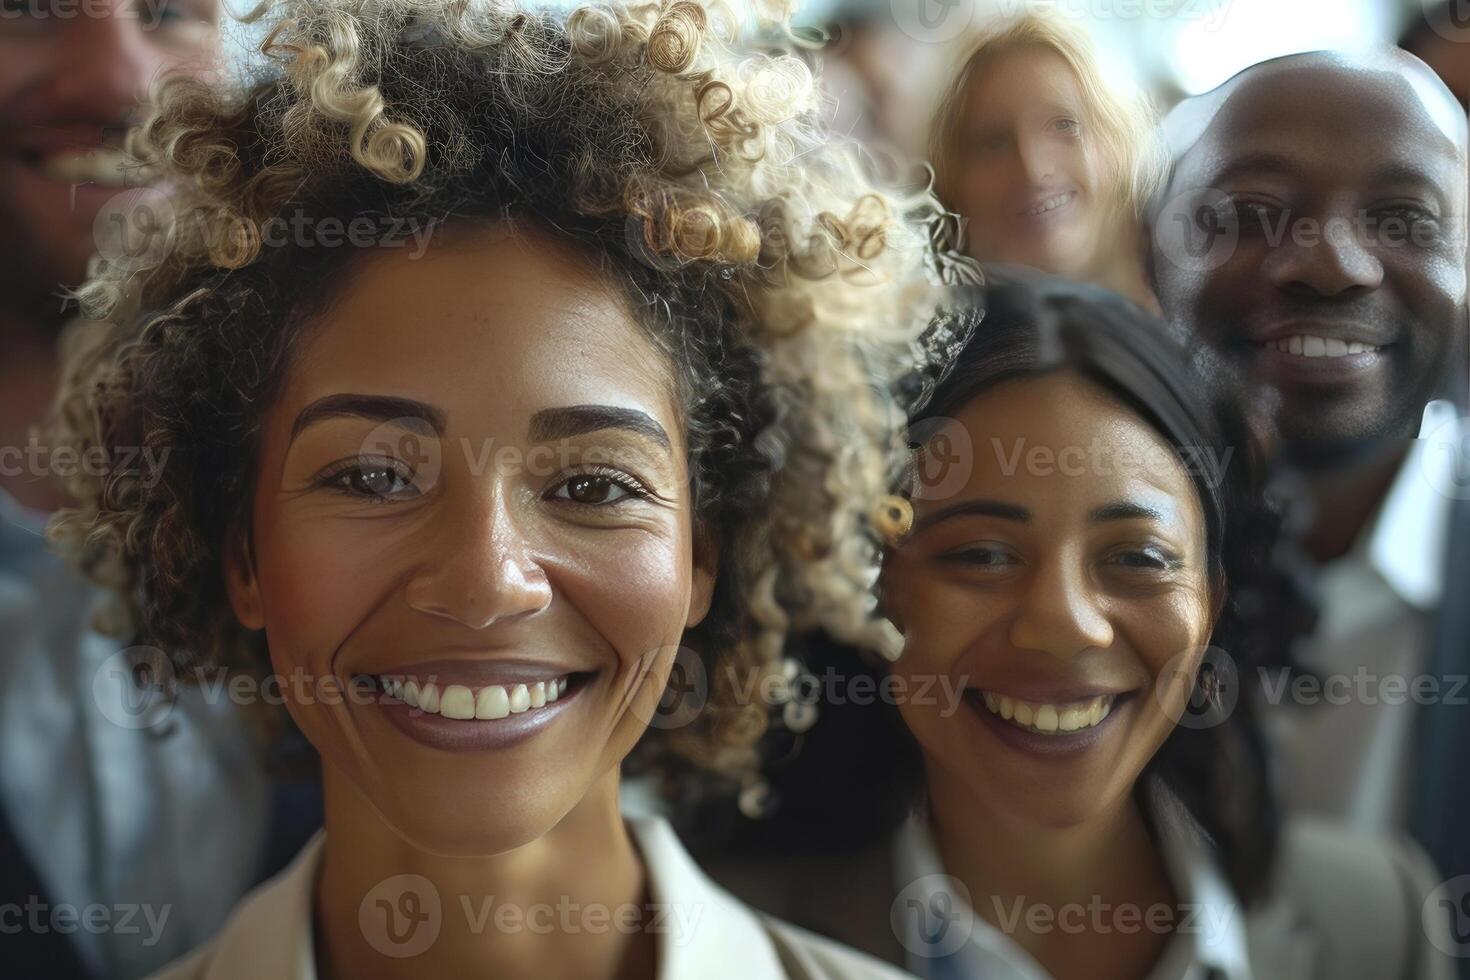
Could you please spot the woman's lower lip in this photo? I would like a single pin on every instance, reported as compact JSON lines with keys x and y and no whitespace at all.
{"x":472,"y":735}
{"x":1059,"y":746}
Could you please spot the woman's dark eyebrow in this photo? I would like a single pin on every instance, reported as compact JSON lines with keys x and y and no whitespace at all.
{"x":410,"y":414}
{"x":969,"y":508}
{"x":551,"y":424}
{"x":1125,"y":512}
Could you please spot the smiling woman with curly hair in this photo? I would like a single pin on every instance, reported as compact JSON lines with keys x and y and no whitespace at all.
{"x":503,"y":359}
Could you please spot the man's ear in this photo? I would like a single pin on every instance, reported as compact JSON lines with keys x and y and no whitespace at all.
{"x":240,"y":579}
{"x":706,"y":570}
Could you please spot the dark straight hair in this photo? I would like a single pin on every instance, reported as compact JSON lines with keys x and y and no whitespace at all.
{"x":858,"y":773}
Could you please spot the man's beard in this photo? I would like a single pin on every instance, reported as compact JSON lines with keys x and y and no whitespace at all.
{"x":1329,"y":455}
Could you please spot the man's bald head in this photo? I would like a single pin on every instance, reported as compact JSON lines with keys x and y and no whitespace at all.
{"x":1313,"y":228}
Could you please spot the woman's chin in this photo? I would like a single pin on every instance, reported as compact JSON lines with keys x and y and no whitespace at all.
{"x":465,"y":832}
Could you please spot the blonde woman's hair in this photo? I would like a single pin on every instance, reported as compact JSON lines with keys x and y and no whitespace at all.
{"x":1123,"y":129}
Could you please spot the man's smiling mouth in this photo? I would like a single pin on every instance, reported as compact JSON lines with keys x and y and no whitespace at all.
{"x":1311,"y":345}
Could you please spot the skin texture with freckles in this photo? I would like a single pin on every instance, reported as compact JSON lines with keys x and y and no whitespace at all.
{"x":1349,"y":198}
{"x":1032,"y":577}
{"x":481,"y":540}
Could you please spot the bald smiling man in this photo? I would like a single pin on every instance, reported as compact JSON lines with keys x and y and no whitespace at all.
{"x":1312,"y":233}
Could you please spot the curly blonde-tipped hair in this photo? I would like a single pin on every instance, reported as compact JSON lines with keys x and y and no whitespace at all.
{"x":804,"y":306}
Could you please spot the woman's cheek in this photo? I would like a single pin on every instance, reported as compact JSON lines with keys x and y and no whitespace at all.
{"x":1170,"y":635}
{"x":634,"y":591}
{"x":940,"y":622}
{"x":317,"y":585}
{"x":1166,"y":631}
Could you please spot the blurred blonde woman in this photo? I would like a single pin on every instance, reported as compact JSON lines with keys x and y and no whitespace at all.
{"x":1046,"y":164}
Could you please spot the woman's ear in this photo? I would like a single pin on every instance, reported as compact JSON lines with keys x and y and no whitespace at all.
{"x":706,"y":570}
{"x":240,"y":580}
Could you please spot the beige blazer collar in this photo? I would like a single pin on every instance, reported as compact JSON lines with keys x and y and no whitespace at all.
{"x":706,"y":934}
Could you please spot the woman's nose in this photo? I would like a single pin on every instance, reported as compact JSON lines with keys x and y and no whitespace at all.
{"x":1060,"y":614}
{"x":481,"y":570}
{"x":1036,"y":158}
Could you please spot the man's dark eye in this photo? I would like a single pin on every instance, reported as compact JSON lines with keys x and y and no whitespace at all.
{"x":1256,"y":217}
{"x":1406,"y":225}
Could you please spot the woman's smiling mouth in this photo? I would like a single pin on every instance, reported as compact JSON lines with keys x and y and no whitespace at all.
{"x":1049,"y":719}
{"x":1049,"y":729}
{"x":474,"y":714}
{"x":469,"y":704}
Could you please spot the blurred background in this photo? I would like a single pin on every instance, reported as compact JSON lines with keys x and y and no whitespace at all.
{"x":887,"y":59}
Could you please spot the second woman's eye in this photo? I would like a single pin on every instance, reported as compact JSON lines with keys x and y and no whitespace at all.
{"x":981,"y":556}
{"x":376,"y":480}
{"x":1147,"y":559}
{"x":599,"y":489}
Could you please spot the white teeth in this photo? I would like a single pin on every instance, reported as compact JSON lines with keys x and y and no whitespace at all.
{"x":104,"y":167}
{"x":1050,"y":719}
{"x":457,"y":702}
{"x":1050,"y":204}
{"x":492,"y":702}
{"x":1309,"y":345}
{"x":462,"y":703}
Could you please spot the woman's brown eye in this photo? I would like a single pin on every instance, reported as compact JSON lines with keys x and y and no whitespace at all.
{"x":375,"y":481}
{"x":379,"y":482}
{"x":589,"y":489}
